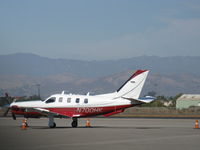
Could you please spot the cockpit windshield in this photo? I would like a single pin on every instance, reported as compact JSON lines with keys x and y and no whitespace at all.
{"x":51,"y":100}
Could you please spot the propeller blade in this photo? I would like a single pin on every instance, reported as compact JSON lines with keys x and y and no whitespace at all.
{"x":13,"y":116}
{"x":6,"y":112}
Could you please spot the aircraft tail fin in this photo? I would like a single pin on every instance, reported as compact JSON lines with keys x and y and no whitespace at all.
{"x":133,"y":86}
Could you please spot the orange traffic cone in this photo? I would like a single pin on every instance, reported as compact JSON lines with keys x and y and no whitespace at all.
{"x":26,"y":122}
{"x":23,"y":127}
{"x":196,"y":124}
{"x":88,"y":123}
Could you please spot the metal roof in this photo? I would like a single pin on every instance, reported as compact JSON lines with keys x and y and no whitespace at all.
{"x":189,"y":97}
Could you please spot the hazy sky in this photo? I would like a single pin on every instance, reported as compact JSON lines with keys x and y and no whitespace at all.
{"x":100,"y":29}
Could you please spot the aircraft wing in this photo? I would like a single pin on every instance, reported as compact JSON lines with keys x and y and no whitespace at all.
{"x":47,"y":112}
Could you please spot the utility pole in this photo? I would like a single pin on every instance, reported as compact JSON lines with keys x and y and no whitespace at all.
{"x":38,"y":87}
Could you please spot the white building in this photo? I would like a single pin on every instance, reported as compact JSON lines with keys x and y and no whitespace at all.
{"x":188,"y":100}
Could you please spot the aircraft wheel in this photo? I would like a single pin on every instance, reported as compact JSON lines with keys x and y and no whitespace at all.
{"x":53,"y":126}
{"x":74,"y":124}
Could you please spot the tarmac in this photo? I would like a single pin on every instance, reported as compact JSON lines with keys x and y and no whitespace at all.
{"x":105,"y":134}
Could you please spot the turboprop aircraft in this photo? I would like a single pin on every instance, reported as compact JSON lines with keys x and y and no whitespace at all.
{"x":77,"y":106}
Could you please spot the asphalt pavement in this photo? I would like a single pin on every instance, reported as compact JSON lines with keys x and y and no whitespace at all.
{"x":104,"y":134}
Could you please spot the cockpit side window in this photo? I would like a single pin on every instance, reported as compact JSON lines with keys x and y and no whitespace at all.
{"x":51,"y":100}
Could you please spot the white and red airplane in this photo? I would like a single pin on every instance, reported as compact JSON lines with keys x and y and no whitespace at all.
{"x":77,"y":106}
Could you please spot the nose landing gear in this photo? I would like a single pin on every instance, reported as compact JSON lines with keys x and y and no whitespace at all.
{"x":74,"y":122}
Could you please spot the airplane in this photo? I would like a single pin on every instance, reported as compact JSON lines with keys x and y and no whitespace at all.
{"x":79,"y":106}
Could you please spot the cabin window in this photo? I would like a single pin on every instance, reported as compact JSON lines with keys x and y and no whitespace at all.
{"x":85,"y":100}
{"x":77,"y":100}
{"x":60,"y":99}
{"x":69,"y":100}
{"x":51,"y":100}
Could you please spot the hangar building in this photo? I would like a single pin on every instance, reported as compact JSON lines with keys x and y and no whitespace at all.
{"x":188,"y":100}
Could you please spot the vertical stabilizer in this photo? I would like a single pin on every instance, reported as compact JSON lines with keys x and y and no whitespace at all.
{"x":133,"y":86}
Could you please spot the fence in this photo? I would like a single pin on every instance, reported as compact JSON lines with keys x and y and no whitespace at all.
{"x":193,"y":112}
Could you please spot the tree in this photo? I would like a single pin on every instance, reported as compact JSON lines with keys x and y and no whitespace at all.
{"x":173,"y":99}
{"x":151,"y":93}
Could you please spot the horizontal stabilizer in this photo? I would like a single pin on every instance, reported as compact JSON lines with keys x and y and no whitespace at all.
{"x":141,"y":100}
{"x":147,"y":99}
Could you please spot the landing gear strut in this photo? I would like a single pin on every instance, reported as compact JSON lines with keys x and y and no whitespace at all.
{"x":52,"y":124}
{"x":74,"y":122}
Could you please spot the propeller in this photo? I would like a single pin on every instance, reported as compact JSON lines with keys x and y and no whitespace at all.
{"x":13,"y":116}
{"x":6,"y":112}
{"x":7,"y":107}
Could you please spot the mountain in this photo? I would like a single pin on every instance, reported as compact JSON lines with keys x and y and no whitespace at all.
{"x":19,"y":74}
{"x":34,"y":65}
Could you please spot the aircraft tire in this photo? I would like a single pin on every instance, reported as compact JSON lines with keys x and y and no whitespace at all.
{"x":74,"y":124}
{"x":53,"y":126}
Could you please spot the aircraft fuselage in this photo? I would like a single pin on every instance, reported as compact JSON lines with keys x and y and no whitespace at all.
{"x":71,"y":106}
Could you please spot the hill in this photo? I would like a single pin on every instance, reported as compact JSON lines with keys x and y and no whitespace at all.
{"x":19,"y":74}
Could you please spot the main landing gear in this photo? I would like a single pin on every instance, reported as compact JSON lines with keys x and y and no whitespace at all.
{"x":51,"y":124}
{"x":74,"y":122}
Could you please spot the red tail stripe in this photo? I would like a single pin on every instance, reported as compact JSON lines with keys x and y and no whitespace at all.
{"x":137,"y":73}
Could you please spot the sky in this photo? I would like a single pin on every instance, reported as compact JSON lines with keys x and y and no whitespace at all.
{"x":100,"y":29}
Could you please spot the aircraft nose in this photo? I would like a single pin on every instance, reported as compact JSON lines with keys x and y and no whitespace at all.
{"x":12,"y":104}
{"x":15,"y":107}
